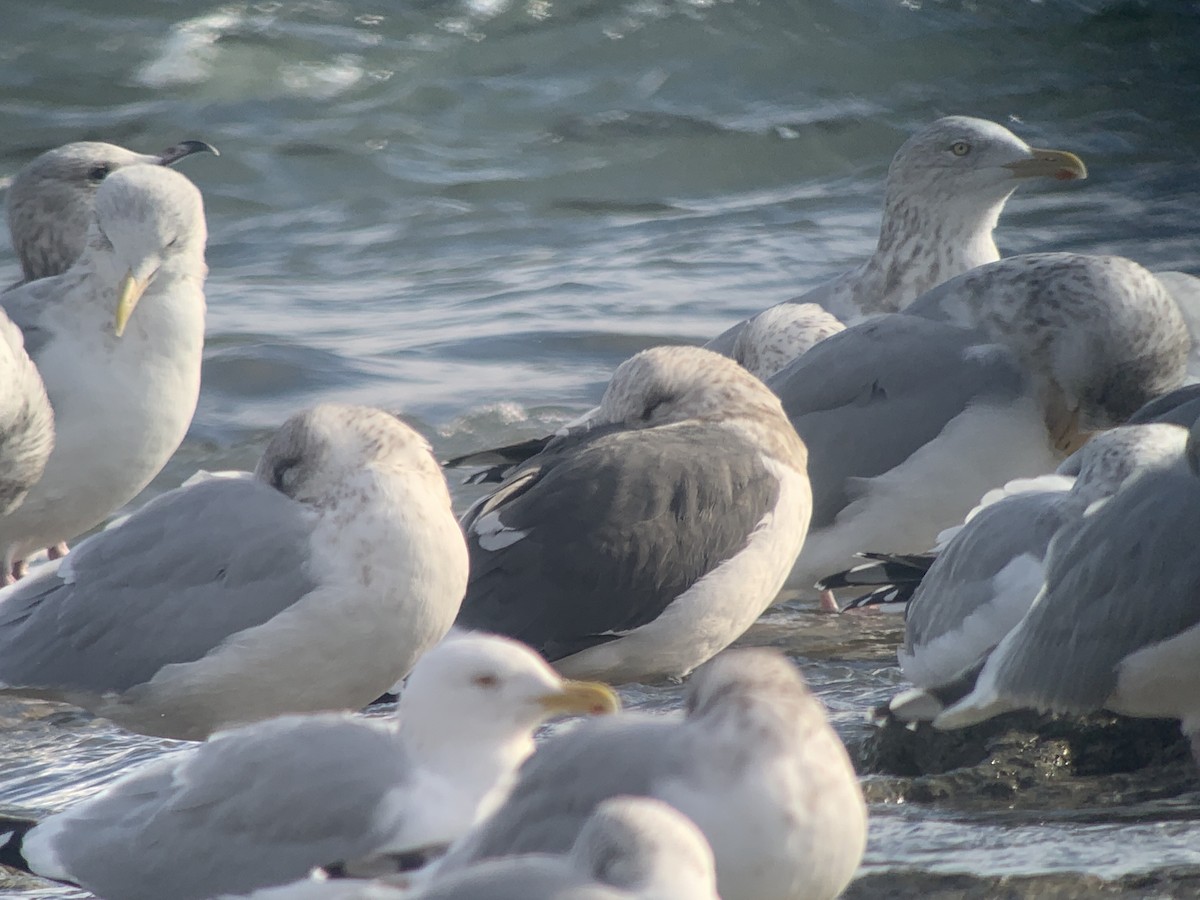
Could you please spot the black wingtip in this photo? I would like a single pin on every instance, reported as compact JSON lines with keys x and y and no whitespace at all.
{"x":12,"y":837}
{"x":176,"y":152}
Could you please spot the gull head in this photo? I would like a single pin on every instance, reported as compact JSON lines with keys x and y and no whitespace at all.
{"x":50,"y":201}
{"x":480,"y":687}
{"x":673,"y":384}
{"x":967,"y":164}
{"x":317,"y":455}
{"x":1109,"y":459}
{"x":149,"y":219}
{"x":647,"y":848}
{"x":778,"y":335}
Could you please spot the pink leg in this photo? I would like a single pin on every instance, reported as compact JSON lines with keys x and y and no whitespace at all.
{"x":15,"y":571}
{"x":829,"y":602}
{"x":58,"y":551}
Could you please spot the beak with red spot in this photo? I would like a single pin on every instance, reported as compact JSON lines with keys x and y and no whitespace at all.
{"x":581,"y":698}
{"x":1060,"y":164}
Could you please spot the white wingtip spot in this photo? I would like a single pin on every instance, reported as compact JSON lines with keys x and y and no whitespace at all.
{"x":494,"y":535}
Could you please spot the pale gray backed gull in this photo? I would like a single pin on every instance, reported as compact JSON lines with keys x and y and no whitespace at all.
{"x":313,"y":585}
{"x":985,"y":579}
{"x":123,"y":382}
{"x":754,"y":763}
{"x":1117,"y":624}
{"x":641,"y":545}
{"x":1101,"y":335}
{"x":946,"y":188}
{"x":26,"y":419}
{"x":909,"y":420}
{"x":264,"y":804}
{"x":630,"y":848}
{"x":51,"y":199}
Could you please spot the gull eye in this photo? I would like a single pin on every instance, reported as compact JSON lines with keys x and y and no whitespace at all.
{"x":97,"y":174}
{"x":173,"y":241}
{"x":960,"y":148}
{"x":485,"y":681}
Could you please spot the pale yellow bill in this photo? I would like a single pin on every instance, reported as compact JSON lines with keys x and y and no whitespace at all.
{"x":582,"y":698}
{"x":129,"y":292}
{"x":1060,"y":164}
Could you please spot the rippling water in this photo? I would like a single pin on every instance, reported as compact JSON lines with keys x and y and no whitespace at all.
{"x":470,"y":211}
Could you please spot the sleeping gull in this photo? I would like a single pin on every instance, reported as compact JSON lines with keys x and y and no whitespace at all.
{"x":263,"y":804}
{"x":630,"y":848}
{"x":1117,"y":624}
{"x":26,"y":420}
{"x":50,"y":201}
{"x":986,"y":578}
{"x":313,"y":585}
{"x":123,"y":382}
{"x":642,"y":545}
{"x":945,"y":190}
{"x":754,"y":763}
{"x":772,"y":341}
{"x":909,"y":420}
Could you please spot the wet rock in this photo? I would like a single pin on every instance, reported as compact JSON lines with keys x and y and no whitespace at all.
{"x":1182,"y":881}
{"x":1029,"y":761}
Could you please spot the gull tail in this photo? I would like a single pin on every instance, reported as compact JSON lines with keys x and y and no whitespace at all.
{"x":929,"y":704}
{"x":501,"y":457}
{"x":893,"y":576}
{"x":12,"y":835}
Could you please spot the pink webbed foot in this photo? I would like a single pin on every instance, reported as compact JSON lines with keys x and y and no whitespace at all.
{"x":58,"y":551}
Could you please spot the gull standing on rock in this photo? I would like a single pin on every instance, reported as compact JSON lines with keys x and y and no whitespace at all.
{"x":754,"y":763}
{"x":985,"y":579}
{"x":313,"y":585}
{"x":643,"y":544}
{"x":1117,"y":624}
{"x":118,"y":341}
{"x":264,"y":804}
{"x":946,"y":188}
{"x":51,"y":200}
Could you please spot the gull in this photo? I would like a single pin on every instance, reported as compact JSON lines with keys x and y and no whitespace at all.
{"x":641,"y":545}
{"x":26,"y":420}
{"x":1117,"y":624}
{"x":51,"y":200}
{"x":753,"y":763}
{"x":774,"y":338}
{"x":314,"y":584}
{"x":946,"y":188}
{"x":630,"y":848}
{"x":263,"y":804}
{"x":772,"y":341}
{"x":985,"y":579}
{"x":998,"y":374}
{"x":117,"y":340}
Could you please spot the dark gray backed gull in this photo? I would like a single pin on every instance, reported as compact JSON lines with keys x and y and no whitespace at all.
{"x":643,"y":544}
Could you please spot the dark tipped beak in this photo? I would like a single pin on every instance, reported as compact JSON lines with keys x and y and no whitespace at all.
{"x":175,"y":153}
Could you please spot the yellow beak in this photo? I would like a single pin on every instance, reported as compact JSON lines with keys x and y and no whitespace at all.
{"x":129,"y":292}
{"x":584,"y":698}
{"x":1060,"y":164}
